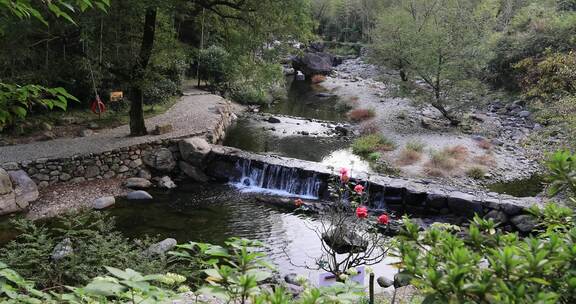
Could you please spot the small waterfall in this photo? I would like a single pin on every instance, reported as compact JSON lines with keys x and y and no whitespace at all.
{"x":277,"y":180}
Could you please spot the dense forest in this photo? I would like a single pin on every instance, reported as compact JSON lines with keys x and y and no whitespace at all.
{"x":456,"y":65}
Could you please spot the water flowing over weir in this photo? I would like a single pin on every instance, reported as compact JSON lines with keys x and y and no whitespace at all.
{"x":274,"y":179}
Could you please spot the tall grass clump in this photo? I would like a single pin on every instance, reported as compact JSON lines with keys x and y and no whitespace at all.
{"x":368,"y":144}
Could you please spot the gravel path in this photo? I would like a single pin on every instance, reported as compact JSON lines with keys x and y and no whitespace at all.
{"x":195,"y":113}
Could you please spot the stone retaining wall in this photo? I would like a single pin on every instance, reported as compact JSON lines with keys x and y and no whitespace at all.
{"x":122,"y":163}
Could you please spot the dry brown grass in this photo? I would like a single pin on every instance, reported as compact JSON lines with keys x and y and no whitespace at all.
{"x":484,"y":144}
{"x":318,"y":79}
{"x":359,"y":115}
{"x":434,"y":172}
{"x":458,"y":152}
{"x":443,"y":160}
{"x":409,"y":157}
{"x":485,"y":160}
{"x":369,"y":127}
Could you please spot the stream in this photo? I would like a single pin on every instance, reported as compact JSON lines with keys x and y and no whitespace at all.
{"x":307,"y":119}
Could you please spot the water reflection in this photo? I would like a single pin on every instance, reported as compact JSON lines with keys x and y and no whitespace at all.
{"x":214,"y":213}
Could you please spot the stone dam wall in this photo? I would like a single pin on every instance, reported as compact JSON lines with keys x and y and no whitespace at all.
{"x":399,"y":194}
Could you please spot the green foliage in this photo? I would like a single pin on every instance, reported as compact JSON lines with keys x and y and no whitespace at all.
{"x":94,"y":242}
{"x":491,"y":266}
{"x":234,"y":273}
{"x":368,"y":144}
{"x":17,"y":101}
{"x":562,"y":173}
{"x":531,"y":28}
{"x":439,"y":42}
{"x":476,"y":172}
{"x":255,"y":82}
{"x":26,"y":9}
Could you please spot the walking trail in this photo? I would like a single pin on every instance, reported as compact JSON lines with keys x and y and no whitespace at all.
{"x":195,"y":113}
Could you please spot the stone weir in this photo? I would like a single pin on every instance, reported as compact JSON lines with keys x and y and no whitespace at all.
{"x":310,"y":179}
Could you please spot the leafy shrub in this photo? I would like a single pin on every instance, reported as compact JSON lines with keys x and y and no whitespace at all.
{"x":476,"y":172}
{"x":492,"y":266}
{"x":160,"y":90}
{"x":367,"y":144}
{"x":359,"y":115}
{"x":233,"y":272}
{"x":94,"y":242}
{"x":17,"y":101}
{"x":214,"y":64}
{"x":562,"y":172}
{"x":255,"y":82}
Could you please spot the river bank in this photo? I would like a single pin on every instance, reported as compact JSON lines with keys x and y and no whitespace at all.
{"x":493,"y":139}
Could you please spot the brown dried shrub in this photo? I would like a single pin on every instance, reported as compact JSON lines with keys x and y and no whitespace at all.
{"x":458,"y":152}
{"x":485,"y":160}
{"x":369,"y":127}
{"x":484,"y":144}
{"x":409,"y":157}
{"x":318,"y":79}
{"x":359,"y":115}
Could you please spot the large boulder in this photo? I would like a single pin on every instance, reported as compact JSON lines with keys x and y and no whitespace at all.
{"x":103,"y":202}
{"x":314,"y":63}
{"x":24,"y":191}
{"x":524,"y":223}
{"x":159,"y":159}
{"x":195,"y":150}
{"x":7,"y":195}
{"x":193,"y":172}
{"x":342,"y":240}
{"x":223,"y":171}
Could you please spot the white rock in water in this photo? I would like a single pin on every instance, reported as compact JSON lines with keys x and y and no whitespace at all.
{"x":166,"y":183}
{"x":137,"y":183}
{"x":103,"y":202}
{"x":139,"y":195}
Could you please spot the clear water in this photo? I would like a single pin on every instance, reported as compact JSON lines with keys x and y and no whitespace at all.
{"x":213,"y":213}
{"x":302,"y":102}
{"x":529,"y":187}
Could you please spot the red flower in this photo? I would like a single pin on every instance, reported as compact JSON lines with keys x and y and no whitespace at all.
{"x":298,"y":202}
{"x":359,"y":189}
{"x":343,"y":171}
{"x":362,"y":212}
{"x":383,"y":219}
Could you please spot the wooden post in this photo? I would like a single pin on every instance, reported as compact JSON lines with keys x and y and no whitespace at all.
{"x":371,"y":288}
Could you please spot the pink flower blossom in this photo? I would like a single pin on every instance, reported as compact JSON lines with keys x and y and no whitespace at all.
{"x":362,"y":212}
{"x":383,"y":219}
{"x":359,"y":189}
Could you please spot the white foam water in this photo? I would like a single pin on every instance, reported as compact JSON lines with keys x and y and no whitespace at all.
{"x":276,"y":180}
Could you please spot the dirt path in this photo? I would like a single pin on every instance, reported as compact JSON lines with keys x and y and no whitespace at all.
{"x":400,"y":120}
{"x":195,"y":113}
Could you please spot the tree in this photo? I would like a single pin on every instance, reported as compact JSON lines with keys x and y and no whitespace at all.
{"x":17,"y":100}
{"x":438,"y":41}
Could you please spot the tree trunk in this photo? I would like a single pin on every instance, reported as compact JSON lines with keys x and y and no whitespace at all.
{"x":453,"y":119}
{"x":137,"y":125}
